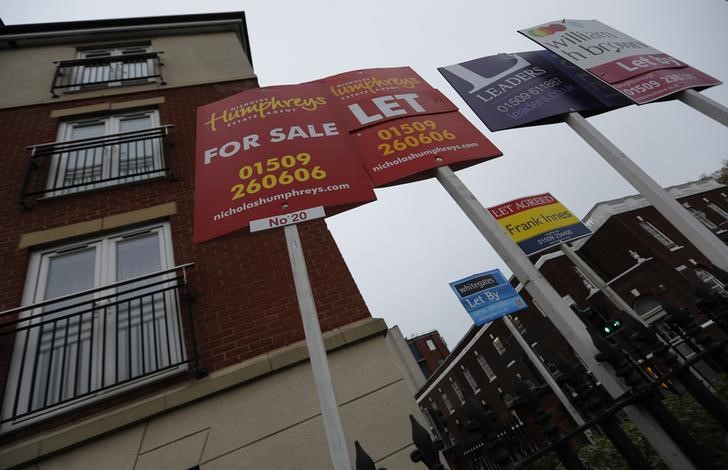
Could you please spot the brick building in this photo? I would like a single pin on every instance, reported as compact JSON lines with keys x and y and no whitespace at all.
{"x":639,"y":254}
{"x":120,"y":337}
{"x":429,"y":350}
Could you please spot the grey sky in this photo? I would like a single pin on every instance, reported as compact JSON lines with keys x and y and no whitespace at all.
{"x":405,"y":248}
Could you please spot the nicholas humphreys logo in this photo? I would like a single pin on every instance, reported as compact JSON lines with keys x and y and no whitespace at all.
{"x":475,"y":285}
{"x":263,"y":107}
{"x":368,"y":85}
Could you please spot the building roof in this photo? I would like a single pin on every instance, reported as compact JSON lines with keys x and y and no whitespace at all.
{"x":602,"y":211}
{"x":12,"y":36}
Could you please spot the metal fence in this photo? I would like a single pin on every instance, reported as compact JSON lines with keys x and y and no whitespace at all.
{"x":79,"y":345}
{"x":60,"y":168}
{"x":112,"y":70}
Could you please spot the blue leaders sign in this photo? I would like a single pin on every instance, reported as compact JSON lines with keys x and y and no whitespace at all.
{"x":536,"y":87}
{"x":487,"y":296}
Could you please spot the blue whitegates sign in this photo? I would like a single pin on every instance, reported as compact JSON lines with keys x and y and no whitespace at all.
{"x":536,"y":87}
{"x":487,"y":296}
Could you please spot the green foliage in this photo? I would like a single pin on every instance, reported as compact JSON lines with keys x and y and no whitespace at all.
{"x":548,"y":462}
{"x":721,"y":175}
{"x":710,"y":435}
{"x":700,"y":425}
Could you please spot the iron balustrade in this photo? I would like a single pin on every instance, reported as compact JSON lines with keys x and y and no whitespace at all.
{"x":65,"y":167}
{"x":100,"y":72}
{"x":75,"y":347}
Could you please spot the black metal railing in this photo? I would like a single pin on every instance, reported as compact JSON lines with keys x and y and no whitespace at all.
{"x":60,"y":168}
{"x":100,"y":72}
{"x":77,"y":346}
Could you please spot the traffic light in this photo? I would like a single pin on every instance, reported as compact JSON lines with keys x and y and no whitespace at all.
{"x":611,"y":326}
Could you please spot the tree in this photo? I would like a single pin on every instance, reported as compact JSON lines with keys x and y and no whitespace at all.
{"x":721,"y":175}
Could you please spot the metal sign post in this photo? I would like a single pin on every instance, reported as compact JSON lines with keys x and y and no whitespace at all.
{"x":317,"y":352}
{"x":599,"y":282}
{"x":543,"y":371}
{"x":705,"y":105}
{"x":703,"y":239}
{"x":563,"y":318}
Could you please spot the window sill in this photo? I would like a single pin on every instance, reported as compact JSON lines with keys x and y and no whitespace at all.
{"x":675,"y":248}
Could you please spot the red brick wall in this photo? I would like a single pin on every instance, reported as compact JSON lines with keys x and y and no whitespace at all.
{"x":246,"y":303}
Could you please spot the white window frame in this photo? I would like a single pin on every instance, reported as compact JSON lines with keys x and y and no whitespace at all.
{"x":700,"y":215}
{"x":431,"y":345}
{"x":518,"y":324}
{"x":498,"y":345}
{"x":446,"y":401}
{"x":470,"y":379}
{"x":105,"y":272}
{"x":456,"y":388}
{"x":110,"y":155}
{"x":81,"y":74}
{"x":713,"y":282}
{"x":658,"y":235}
{"x":719,"y":210}
{"x":486,"y":367}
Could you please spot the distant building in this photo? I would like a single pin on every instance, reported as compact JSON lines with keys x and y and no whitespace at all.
{"x":123,"y":343}
{"x":641,"y":256}
{"x":429,"y":350}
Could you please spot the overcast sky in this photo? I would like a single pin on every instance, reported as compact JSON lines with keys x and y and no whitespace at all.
{"x":405,"y":248}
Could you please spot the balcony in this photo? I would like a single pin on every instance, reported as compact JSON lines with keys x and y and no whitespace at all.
{"x":61,"y":168}
{"x":107,"y":71}
{"x":69,"y":350}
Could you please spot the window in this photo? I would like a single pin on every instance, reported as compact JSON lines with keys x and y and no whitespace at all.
{"x":103,"y":151}
{"x":700,"y":215}
{"x":112,"y":66}
{"x":498,"y":345}
{"x":431,"y":345}
{"x":715,"y":285}
{"x":446,"y":401}
{"x":649,"y":309}
{"x":106,"y":329}
{"x":659,"y":236}
{"x":458,"y":390}
{"x":470,"y":379}
{"x":518,"y":324}
{"x":486,"y":368}
{"x":718,"y":210}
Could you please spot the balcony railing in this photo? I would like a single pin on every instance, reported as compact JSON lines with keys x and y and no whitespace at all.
{"x":101,"y":72}
{"x":71,"y":349}
{"x":60,"y":168}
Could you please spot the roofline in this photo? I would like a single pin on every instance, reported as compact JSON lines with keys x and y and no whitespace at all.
{"x":26,"y":31}
{"x":65,"y":26}
{"x":701,"y":185}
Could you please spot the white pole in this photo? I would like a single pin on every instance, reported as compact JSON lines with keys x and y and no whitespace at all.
{"x":705,"y":105}
{"x":703,"y":239}
{"x":543,"y":371}
{"x":338,"y":448}
{"x":563,"y":318}
{"x":599,"y":282}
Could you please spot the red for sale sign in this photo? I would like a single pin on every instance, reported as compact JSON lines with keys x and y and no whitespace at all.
{"x":273,"y":151}
{"x":402,"y":126}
